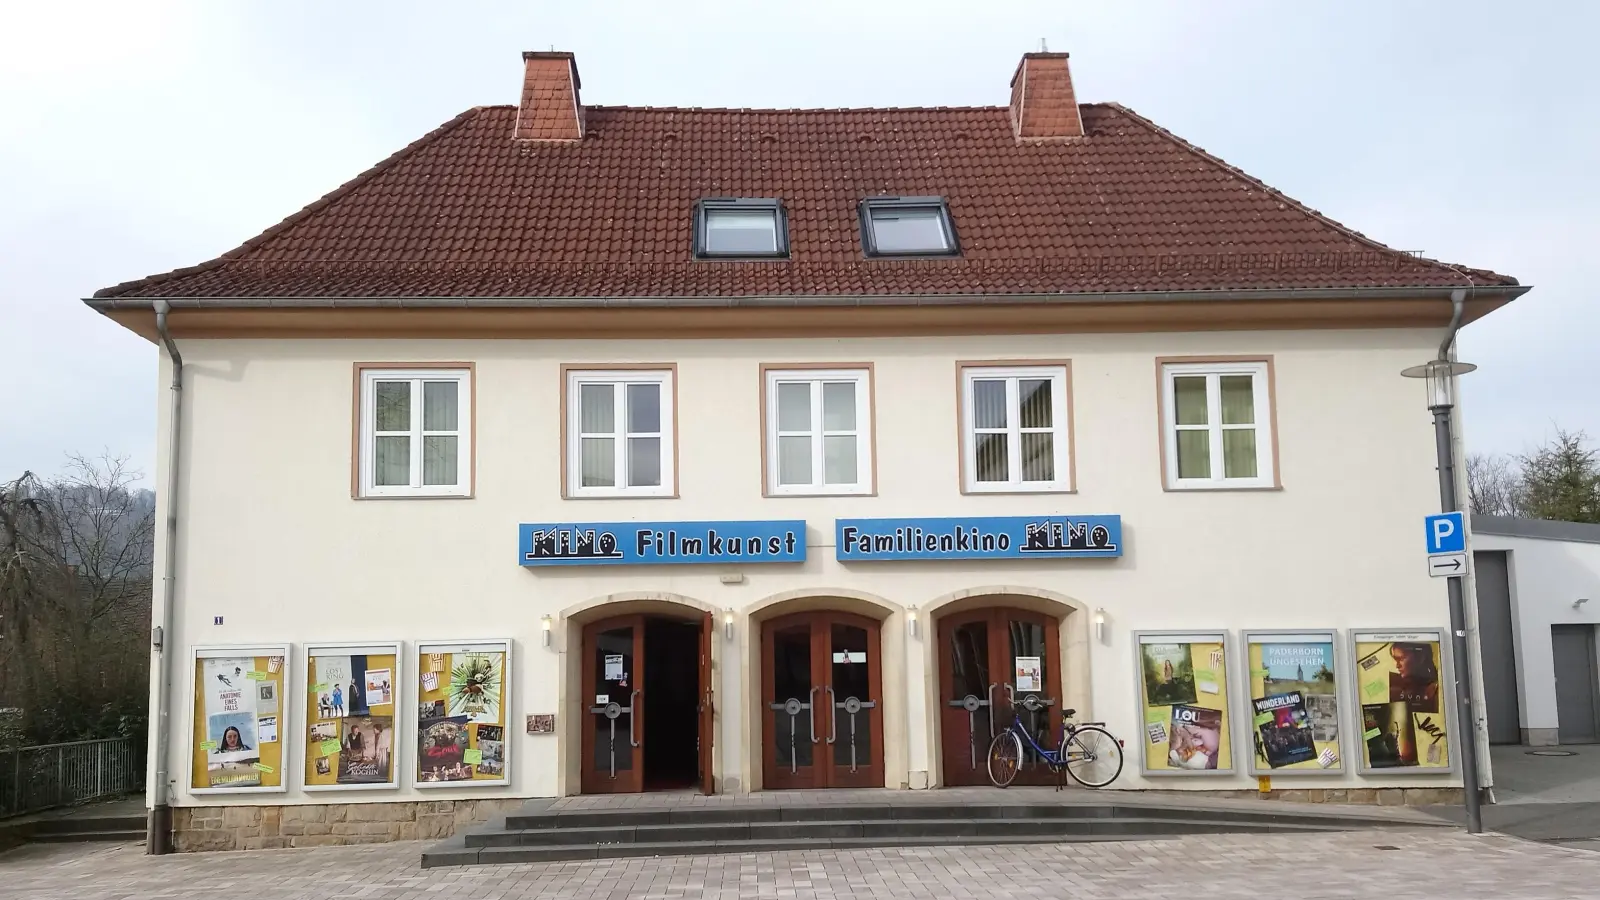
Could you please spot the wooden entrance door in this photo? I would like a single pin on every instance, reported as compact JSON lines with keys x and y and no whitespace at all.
{"x":708,"y":696}
{"x":822,"y":698}
{"x":613,"y":661}
{"x":978,"y":653}
{"x":613,"y":708}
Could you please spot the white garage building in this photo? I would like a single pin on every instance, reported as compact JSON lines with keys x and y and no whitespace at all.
{"x":1538,"y":607}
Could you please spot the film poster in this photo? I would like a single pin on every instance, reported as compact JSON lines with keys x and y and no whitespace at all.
{"x":350,"y":717}
{"x":236,"y":741}
{"x":1294,"y":696}
{"x":461,"y":715}
{"x":1399,"y":680}
{"x":1184,"y":690}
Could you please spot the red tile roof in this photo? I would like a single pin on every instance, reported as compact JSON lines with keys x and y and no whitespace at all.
{"x":467,"y":212}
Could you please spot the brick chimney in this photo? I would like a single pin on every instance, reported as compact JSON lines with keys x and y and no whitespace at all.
{"x":1043,"y":105}
{"x":550,"y":109}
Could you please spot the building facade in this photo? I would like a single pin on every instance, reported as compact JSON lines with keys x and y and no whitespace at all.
{"x":1537,"y":581}
{"x":823,"y":438}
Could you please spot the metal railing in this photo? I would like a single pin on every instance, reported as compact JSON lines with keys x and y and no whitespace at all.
{"x":53,"y":775}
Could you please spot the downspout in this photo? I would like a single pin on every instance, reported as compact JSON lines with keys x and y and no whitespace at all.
{"x":1458,"y":305}
{"x":158,"y":834}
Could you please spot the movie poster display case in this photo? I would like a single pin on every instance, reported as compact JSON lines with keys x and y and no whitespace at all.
{"x":1296,"y":702}
{"x":1402,"y":679}
{"x":1182,"y":677}
{"x":352,"y":732}
{"x":463,"y":697}
{"x":240,"y":708}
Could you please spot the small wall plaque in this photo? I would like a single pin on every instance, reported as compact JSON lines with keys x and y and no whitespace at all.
{"x":542,"y":723}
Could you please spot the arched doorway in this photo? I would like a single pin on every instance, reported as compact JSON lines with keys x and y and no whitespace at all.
{"x":986,"y":658}
{"x":644,"y":676}
{"x":821,"y":701}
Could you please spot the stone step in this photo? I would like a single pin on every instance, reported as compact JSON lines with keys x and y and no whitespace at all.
{"x":73,"y":837}
{"x":545,"y":845}
{"x":452,"y":853}
{"x":865,"y":828}
{"x":70,"y":824}
{"x":635,"y":818}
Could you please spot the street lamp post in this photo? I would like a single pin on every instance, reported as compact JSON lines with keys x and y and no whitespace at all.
{"x":1440,"y":379}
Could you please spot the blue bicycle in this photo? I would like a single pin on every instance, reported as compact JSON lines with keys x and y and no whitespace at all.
{"x":1088,"y":752}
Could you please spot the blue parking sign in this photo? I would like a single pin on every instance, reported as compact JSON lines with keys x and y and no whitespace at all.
{"x":1446,"y":533}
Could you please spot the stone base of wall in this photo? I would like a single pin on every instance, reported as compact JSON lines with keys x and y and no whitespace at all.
{"x":1356,"y":796}
{"x":272,"y":827}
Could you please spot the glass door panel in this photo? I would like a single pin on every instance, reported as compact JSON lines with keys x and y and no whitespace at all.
{"x":967,"y":712}
{"x":791,"y":703}
{"x":1026,"y":639}
{"x":612,"y":741}
{"x":854,"y":707}
{"x":850,"y":693}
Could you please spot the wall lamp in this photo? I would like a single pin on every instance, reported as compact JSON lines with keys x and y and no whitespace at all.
{"x":1579,"y":602}
{"x":544,"y":625}
{"x":727,"y":624}
{"x":1100,"y":625}
{"x":911,"y":619}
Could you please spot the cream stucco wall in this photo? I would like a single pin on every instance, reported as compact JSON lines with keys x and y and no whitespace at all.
{"x":271,"y":540}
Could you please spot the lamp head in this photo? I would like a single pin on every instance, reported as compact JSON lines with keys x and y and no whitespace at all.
{"x":1439,"y":377}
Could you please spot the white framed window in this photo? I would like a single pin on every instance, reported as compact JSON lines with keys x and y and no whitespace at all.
{"x":819,"y":431}
{"x":1218,"y":425}
{"x":619,"y":433}
{"x":1018,"y":428}
{"x":415,"y":433}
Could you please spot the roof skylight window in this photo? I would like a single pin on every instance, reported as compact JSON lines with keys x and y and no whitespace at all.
{"x":907,"y":226}
{"x":741,"y":227}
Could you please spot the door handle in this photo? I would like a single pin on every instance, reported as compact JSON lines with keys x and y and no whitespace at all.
{"x":991,"y":710}
{"x":633,"y":717}
{"x":811,"y":711}
{"x":833,"y":716}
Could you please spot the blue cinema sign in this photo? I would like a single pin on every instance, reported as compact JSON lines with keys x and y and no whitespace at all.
{"x":657,"y":543}
{"x":996,"y":537}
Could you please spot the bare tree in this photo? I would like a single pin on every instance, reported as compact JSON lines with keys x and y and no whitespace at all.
{"x":22,"y":519}
{"x":75,"y":583}
{"x":104,"y":536}
{"x":1494,"y":485}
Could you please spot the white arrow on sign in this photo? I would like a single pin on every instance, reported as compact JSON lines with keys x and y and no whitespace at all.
{"x":1444,"y":565}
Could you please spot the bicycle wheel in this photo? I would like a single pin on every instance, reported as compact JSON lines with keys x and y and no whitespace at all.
{"x":1005,"y":758}
{"x":1092,"y":756}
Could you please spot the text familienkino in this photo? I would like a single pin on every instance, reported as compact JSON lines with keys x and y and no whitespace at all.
{"x":911,"y":539}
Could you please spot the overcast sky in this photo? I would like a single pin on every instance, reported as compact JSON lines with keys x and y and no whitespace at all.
{"x":136,"y":137}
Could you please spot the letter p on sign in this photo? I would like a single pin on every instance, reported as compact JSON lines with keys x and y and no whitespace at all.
{"x":1446,"y":533}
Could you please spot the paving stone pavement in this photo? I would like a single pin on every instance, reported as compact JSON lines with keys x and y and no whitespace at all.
{"x":1423,"y":864}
